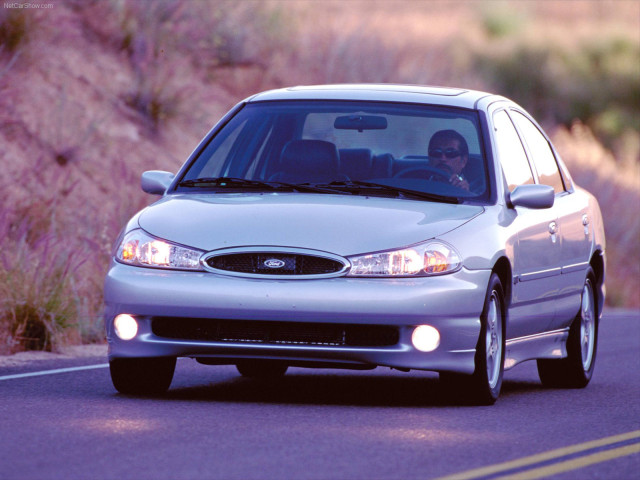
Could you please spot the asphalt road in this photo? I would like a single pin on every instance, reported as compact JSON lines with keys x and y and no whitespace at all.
{"x":323,"y":424}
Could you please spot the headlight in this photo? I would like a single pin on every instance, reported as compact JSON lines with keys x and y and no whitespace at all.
{"x":430,"y":258}
{"x":138,"y":248}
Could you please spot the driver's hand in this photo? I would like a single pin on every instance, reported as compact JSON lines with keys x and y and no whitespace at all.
{"x":459,"y":181}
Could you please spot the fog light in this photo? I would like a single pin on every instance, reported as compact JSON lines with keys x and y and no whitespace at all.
{"x":126,"y":326}
{"x":425,"y":338}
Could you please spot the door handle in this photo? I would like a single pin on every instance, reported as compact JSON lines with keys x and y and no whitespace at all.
{"x":553,"y":228}
{"x":585,"y":223}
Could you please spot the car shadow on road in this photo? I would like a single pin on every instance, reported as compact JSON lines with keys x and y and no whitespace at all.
{"x":344,"y":389}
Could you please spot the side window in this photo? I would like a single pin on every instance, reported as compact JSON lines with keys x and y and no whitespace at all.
{"x":543,"y":159}
{"x":223,"y":144}
{"x":513,"y":158}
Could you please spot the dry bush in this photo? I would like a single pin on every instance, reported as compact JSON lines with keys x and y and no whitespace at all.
{"x":15,"y":30}
{"x":147,"y":34}
{"x":171,"y":46}
{"x":147,"y":30}
{"x":372,"y":42}
{"x":15,"y":26}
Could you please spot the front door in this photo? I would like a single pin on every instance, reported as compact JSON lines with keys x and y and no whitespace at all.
{"x":536,"y":247}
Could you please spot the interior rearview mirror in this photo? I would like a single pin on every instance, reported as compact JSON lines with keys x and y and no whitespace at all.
{"x":360,"y":123}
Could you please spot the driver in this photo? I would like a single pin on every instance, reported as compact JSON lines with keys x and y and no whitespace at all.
{"x":448,"y":151}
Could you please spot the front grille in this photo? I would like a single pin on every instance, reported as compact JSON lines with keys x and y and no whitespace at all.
{"x":275,"y":264}
{"x":267,"y":332}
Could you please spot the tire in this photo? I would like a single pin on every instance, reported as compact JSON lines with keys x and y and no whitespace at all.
{"x":483,"y":387}
{"x":262,"y":368}
{"x":142,"y":376}
{"x":576,"y":369}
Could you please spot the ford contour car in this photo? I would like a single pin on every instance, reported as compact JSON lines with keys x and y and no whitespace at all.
{"x":355,"y":226}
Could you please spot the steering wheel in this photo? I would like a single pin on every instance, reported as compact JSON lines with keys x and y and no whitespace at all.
{"x":426,"y":172}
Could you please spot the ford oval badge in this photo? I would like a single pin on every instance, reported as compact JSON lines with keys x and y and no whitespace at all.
{"x":274,"y":263}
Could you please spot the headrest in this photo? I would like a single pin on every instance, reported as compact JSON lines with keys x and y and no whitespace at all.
{"x":310,"y":160}
{"x":355,"y":158}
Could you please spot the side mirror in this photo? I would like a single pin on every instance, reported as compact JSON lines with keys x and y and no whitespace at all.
{"x":532,"y":196}
{"x":156,"y":182}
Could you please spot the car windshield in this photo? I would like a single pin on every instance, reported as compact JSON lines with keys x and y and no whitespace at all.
{"x":346,"y":147}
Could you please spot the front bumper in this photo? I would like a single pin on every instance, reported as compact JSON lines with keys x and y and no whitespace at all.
{"x":451,"y":303}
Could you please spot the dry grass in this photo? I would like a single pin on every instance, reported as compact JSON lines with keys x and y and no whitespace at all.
{"x":37,"y":310}
{"x":101,"y":91}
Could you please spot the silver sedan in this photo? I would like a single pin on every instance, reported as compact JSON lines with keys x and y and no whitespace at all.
{"x":356,"y":226}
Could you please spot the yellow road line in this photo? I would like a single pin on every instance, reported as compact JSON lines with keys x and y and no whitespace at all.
{"x":574,"y":464}
{"x":541,"y":457}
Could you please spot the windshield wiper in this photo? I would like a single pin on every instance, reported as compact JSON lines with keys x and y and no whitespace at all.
{"x":233,"y":182}
{"x":358,"y":184}
{"x":223,"y":182}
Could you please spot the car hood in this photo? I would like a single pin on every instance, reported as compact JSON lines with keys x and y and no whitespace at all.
{"x":339,"y":224}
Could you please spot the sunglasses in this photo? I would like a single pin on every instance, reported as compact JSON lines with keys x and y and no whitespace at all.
{"x":446,"y":152}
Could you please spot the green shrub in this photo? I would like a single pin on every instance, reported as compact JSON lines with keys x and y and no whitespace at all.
{"x":596,"y":83}
{"x":499,"y":20}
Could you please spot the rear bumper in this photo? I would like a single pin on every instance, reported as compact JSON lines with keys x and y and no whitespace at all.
{"x":450,"y":303}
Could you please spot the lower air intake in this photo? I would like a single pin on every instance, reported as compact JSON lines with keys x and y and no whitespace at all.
{"x":267,"y":332}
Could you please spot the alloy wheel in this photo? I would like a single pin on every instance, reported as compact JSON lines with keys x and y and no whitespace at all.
{"x":493,"y":341}
{"x":587,"y":326}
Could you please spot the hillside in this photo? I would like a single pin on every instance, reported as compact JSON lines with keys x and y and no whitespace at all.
{"x":92,"y":93}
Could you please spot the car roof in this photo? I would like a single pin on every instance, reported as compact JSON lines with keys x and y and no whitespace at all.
{"x":420,"y":94}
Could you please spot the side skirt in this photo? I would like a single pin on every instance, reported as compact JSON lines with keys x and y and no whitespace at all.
{"x":551,"y":344}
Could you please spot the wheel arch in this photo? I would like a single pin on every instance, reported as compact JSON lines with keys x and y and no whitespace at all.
{"x":597,"y":264}
{"x":502,"y":268}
